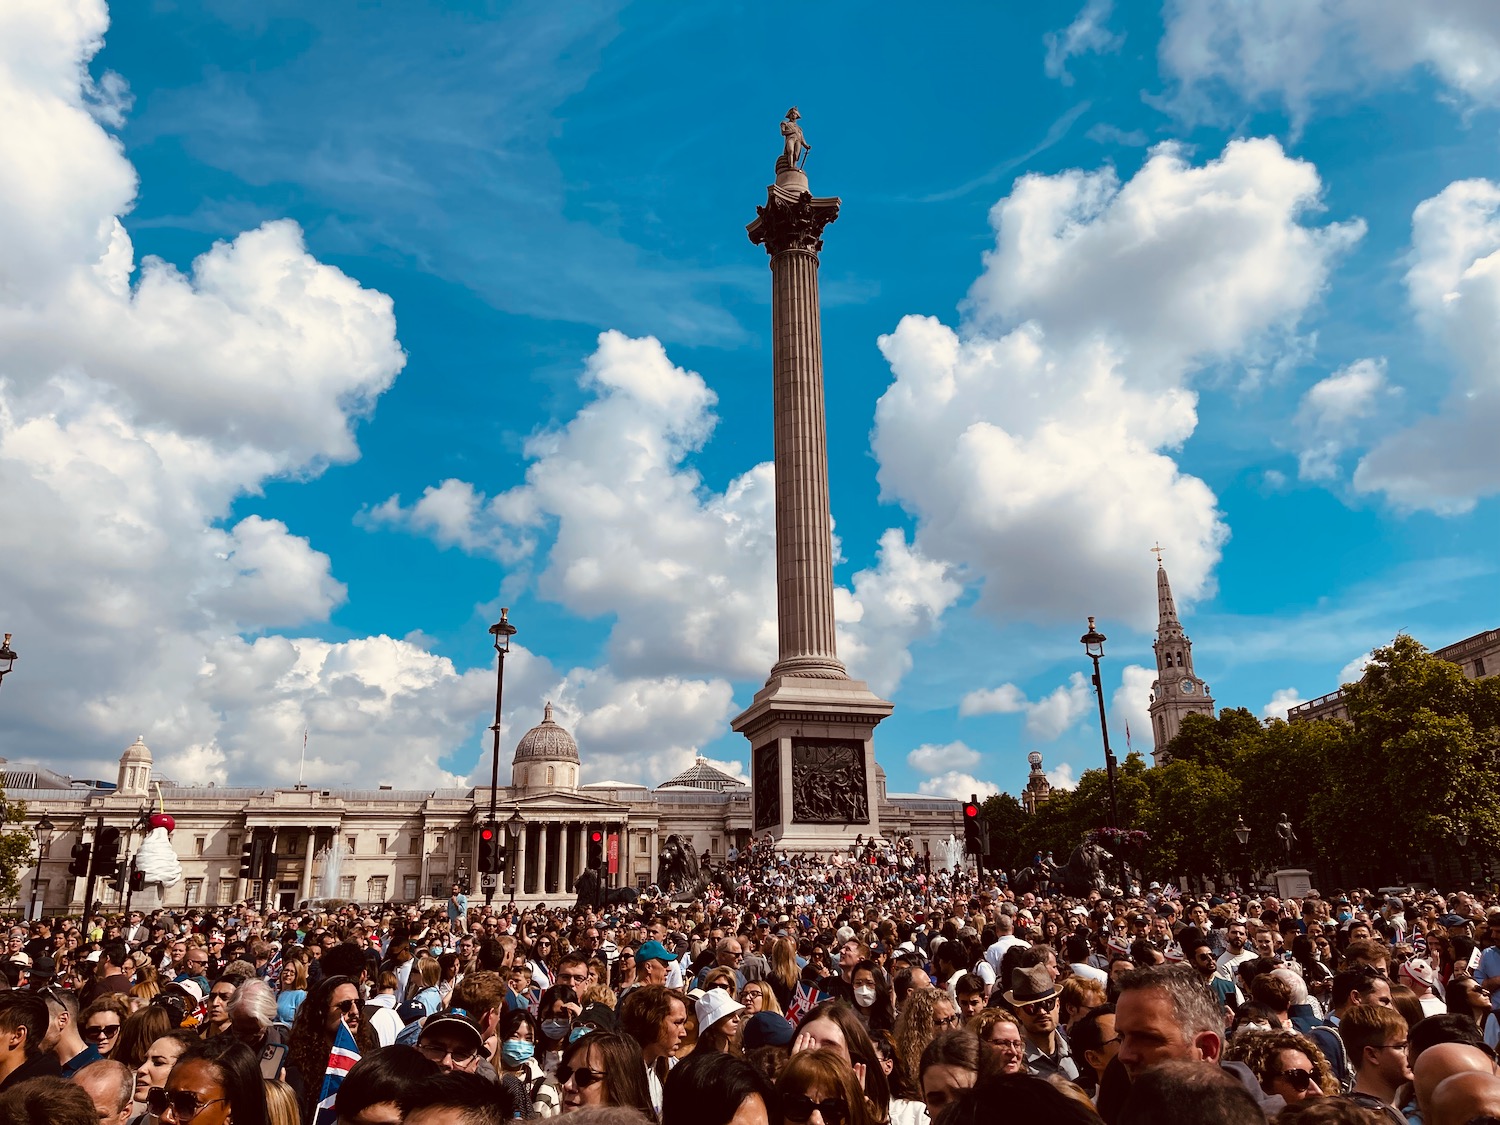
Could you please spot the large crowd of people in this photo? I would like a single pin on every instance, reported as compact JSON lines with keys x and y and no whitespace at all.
{"x":854,"y":989}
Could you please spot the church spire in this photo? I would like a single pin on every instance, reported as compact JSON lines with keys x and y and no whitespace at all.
{"x":1177,"y":690}
{"x":1166,"y":608}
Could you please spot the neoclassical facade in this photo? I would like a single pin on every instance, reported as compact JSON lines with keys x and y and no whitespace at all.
{"x":1478,"y":657}
{"x":407,"y":845}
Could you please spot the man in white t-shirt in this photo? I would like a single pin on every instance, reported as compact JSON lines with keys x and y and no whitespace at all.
{"x":1005,"y":939}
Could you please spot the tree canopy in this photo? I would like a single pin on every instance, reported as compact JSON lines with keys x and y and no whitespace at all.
{"x":1412,"y":769}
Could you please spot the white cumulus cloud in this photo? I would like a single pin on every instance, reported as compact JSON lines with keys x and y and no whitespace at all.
{"x":1330,"y":412}
{"x":624,"y":528}
{"x":1129,"y":708}
{"x":1282,"y":700}
{"x":1446,"y":461}
{"x":1046,"y":718}
{"x":959,"y":786}
{"x":1062,"y":777}
{"x":1299,"y":52}
{"x":1354,"y":671}
{"x":1087,"y":34}
{"x":1035,"y":443}
{"x":933,"y":759}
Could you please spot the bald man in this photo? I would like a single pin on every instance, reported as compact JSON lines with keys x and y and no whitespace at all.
{"x":1462,"y":1098}
{"x":110,"y":1086}
{"x":1444,"y":1060}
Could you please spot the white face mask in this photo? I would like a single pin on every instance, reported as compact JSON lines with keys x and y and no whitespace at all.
{"x":864,"y":997}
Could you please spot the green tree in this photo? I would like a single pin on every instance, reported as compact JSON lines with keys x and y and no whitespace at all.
{"x":16,"y":846}
{"x":1190,"y":816}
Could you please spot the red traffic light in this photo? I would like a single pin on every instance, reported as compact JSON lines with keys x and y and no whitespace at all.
{"x":486,"y":834}
{"x":971,"y":811}
{"x":597,"y":837}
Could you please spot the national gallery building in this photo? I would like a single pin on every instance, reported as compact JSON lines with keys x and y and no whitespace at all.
{"x":408,"y":846}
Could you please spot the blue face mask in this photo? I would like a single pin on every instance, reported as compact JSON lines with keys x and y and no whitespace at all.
{"x":514,"y":1052}
{"x":556,"y":1029}
{"x":578,"y":1033}
{"x":1344,"y":915}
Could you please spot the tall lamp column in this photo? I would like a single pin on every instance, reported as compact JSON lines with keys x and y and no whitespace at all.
{"x":1093,"y":644}
{"x":44,"y":829}
{"x":8,"y":657}
{"x":513,"y":825}
{"x":502,"y":631}
{"x":1242,"y":834}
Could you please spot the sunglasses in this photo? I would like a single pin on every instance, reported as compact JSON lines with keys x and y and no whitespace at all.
{"x":184,"y":1104}
{"x":347,"y":1006}
{"x":582,"y":1076}
{"x":1298,"y":1080}
{"x":1038,"y":1006}
{"x":800,"y":1107}
{"x":437,"y":1051}
{"x":105,"y":1031}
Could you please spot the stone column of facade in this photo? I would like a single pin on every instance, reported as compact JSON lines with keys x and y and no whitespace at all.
{"x":811,"y":727}
{"x":519,"y":859}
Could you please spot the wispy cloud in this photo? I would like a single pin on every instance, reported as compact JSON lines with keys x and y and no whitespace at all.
{"x":1055,"y":133}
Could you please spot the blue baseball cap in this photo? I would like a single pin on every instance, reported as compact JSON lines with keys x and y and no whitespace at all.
{"x":653,"y":951}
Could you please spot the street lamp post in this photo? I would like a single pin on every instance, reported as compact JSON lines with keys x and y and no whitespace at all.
{"x":1093,"y":644}
{"x":8,"y":657}
{"x":1461,"y":838}
{"x":502,"y":631}
{"x":513,"y":826}
{"x":1242,"y":834}
{"x":43,"y":830}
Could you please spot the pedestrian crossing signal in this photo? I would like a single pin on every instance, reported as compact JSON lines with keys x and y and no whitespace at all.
{"x":491,"y":861}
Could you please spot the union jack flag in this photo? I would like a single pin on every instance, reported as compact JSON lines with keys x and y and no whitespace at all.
{"x":341,"y":1059}
{"x":804,"y":1000}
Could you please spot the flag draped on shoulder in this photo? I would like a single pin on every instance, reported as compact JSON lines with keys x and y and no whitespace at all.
{"x":804,"y":1000}
{"x":344,"y":1055}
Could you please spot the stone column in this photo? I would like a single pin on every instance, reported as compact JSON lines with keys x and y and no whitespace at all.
{"x":790,"y":226}
{"x":519,"y":859}
{"x":811,"y":727}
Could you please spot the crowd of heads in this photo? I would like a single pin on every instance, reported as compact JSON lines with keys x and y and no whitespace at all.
{"x":860,"y":988}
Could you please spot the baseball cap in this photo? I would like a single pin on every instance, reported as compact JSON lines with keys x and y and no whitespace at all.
{"x":767,"y":1029}
{"x":454,"y":1024}
{"x":653,"y":951}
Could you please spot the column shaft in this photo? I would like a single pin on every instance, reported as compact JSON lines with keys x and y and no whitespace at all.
{"x":804,"y":527}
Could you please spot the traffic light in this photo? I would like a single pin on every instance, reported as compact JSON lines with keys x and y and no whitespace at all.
{"x":247,"y":859}
{"x":120,"y":877}
{"x":79,"y":868}
{"x":137,"y":879}
{"x":973,"y":828}
{"x":106,"y":851}
{"x":490,"y":862}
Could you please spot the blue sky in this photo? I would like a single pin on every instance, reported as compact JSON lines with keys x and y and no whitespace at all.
{"x":416,"y":310}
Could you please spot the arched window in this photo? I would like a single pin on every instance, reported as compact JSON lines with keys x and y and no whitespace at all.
{"x":1179,"y":658}
{"x":550,"y":772}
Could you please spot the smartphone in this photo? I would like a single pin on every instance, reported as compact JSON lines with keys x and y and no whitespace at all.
{"x":271,"y":1057}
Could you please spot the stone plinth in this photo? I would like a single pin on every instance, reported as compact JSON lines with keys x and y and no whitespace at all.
{"x":1293,"y":882}
{"x":812,"y":761}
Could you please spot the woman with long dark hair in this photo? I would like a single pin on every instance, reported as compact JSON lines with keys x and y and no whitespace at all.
{"x":872,"y":997}
{"x":334,"y":1001}
{"x":713,"y":1088}
{"x":604,"y":1068}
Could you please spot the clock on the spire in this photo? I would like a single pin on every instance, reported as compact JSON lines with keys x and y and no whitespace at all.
{"x":1188,"y":687}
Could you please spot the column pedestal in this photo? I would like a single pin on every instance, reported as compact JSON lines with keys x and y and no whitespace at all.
{"x":812,"y":761}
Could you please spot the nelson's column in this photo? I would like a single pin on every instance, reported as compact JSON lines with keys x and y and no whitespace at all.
{"x":810,"y":728}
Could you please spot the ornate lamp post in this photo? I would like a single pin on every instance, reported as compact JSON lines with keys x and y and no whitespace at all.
{"x":8,"y":657}
{"x":1242,"y":834}
{"x":1093,"y":644}
{"x":43,"y":831}
{"x":513,"y":825}
{"x":1461,"y":838}
{"x":502,"y":631}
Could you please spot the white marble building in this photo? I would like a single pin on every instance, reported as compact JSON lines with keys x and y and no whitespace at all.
{"x":385,"y":844}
